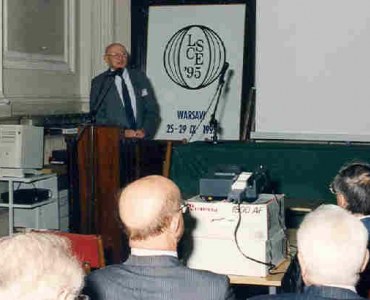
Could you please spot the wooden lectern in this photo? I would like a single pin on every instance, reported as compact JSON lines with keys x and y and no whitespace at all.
{"x":108,"y":161}
{"x":99,"y":166}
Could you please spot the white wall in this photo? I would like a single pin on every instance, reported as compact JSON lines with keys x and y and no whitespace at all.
{"x":47,"y":83}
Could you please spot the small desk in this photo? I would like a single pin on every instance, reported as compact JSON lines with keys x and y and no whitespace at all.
{"x":273,"y":281}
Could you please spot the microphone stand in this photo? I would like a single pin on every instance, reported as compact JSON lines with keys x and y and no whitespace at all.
{"x":213,"y":121}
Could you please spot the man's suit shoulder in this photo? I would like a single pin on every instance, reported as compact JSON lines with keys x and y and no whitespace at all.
{"x":105,"y":272}
{"x":100,"y":77}
{"x":135,"y":73}
{"x":101,"y":283}
{"x":199,"y":274}
{"x":292,"y":296}
{"x":314,"y":293}
{"x":202,"y":274}
{"x":216,"y":280}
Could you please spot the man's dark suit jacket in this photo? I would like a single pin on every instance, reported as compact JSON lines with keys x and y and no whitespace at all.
{"x":155,"y":277}
{"x":112,"y":112}
{"x":314,"y":293}
{"x":363,"y":285}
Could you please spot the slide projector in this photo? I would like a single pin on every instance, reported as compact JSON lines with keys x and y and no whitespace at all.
{"x":21,"y":150}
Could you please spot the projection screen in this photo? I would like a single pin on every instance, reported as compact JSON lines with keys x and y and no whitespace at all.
{"x":312,"y":70}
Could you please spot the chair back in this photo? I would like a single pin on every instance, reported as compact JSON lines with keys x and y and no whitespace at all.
{"x":88,"y":249}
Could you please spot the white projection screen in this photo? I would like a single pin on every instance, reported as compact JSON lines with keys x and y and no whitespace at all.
{"x":313,"y":70}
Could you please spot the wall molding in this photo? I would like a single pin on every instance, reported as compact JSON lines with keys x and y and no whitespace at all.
{"x":62,"y":63}
{"x":1,"y":54}
{"x":96,"y":32}
{"x":5,"y":105}
{"x":85,"y":22}
{"x":102,"y":32}
{"x":30,"y":106}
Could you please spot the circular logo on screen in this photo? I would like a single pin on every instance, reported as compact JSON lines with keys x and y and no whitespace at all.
{"x":194,"y":56}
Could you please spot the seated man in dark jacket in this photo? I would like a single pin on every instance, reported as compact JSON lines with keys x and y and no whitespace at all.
{"x":332,"y":251}
{"x":351,"y":187}
{"x":151,"y":212}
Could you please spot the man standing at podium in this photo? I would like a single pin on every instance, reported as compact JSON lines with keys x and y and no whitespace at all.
{"x":124,"y":97}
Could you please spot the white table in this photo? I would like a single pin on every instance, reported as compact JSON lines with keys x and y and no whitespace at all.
{"x":272,"y":281}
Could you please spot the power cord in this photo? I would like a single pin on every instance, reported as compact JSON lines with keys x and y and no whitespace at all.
{"x":268,"y":264}
{"x":282,"y":225}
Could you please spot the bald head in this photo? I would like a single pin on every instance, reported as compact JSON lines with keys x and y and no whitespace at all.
{"x":113,"y":45}
{"x":147,"y":205}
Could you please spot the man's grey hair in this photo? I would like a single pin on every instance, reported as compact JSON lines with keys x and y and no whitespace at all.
{"x":333,"y":244}
{"x":353,"y":183}
{"x":38,"y":266}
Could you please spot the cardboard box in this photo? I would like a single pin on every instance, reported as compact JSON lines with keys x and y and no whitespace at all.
{"x":261,"y":219}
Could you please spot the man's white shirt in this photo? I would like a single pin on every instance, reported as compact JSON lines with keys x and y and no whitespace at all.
{"x":151,"y":252}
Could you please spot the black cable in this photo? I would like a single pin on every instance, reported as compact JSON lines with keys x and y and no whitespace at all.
{"x":282,"y":225}
{"x":34,"y":187}
{"x":19,"y":185}
{"x":36,"y":191}
{"x":269,"y":264}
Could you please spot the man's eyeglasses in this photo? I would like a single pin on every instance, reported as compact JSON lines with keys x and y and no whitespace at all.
{"x":183,"y":208}
{"x":117,"y":55}
{"x":332,"y":189}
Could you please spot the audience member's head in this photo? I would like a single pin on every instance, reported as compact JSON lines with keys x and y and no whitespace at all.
{"x":38,"y":266}
{"x":352,"y":188}
{"x":332,"y":247}
{"x":150,"y":210}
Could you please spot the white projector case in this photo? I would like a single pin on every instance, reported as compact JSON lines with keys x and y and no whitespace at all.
{"x":261,"y":235}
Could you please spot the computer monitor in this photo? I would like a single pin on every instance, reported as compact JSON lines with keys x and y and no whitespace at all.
{"x":21,"y":148}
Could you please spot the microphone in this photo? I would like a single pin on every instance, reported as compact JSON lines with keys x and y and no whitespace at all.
{"x":223,"y":72}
